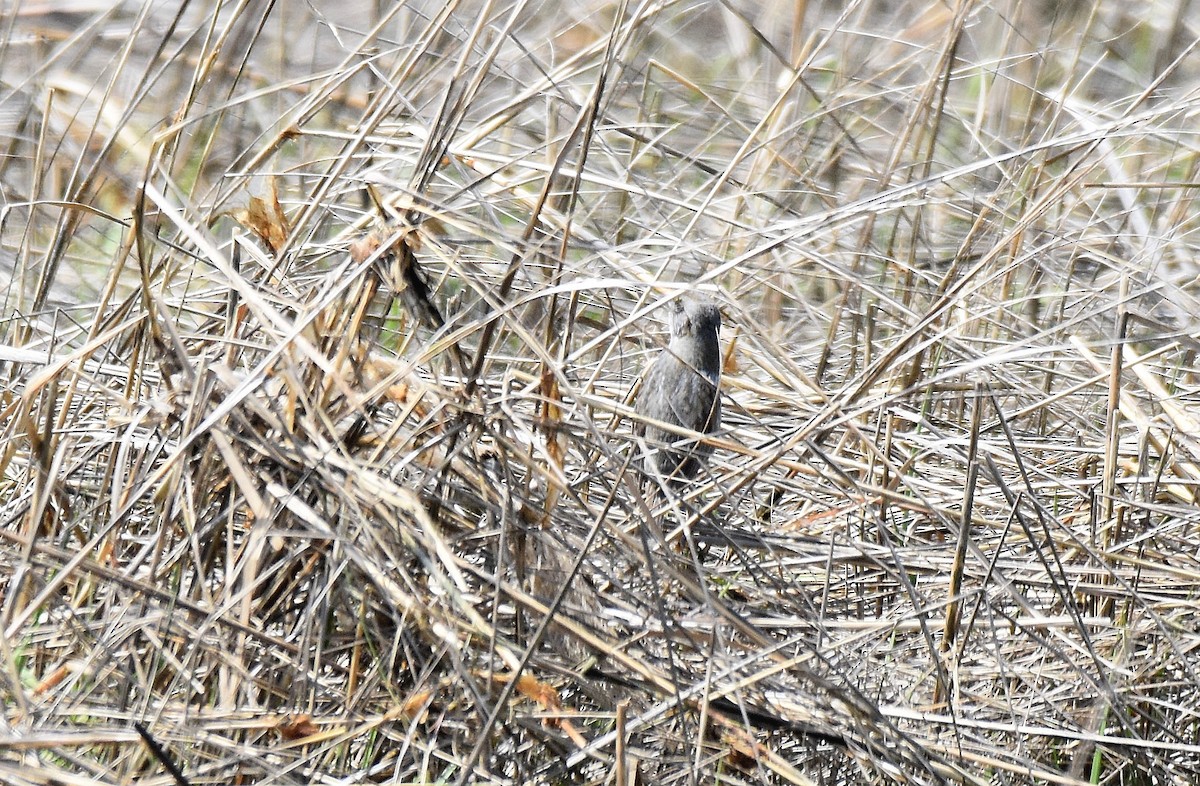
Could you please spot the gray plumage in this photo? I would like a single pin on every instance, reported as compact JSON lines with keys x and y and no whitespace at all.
{"x":680,"y":387}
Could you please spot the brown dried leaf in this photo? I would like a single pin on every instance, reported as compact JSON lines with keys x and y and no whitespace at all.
{"x":265,"y":218}
{"x":729,"y":364}
{"x":415,"y":703}
{"x":297,"y":727}
{"x":364,"y":247}
{"x":544,"y":694}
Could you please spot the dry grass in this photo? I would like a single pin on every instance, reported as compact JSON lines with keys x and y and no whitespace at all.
{"x":315,"y":458}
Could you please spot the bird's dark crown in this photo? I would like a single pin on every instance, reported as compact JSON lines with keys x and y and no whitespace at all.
{"x":694,"y":316}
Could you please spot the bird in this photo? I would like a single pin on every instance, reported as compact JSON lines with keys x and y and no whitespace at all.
{"x":680,"y":388}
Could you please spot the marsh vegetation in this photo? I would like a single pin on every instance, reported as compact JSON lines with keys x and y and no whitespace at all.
{"x":319,"y":334}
